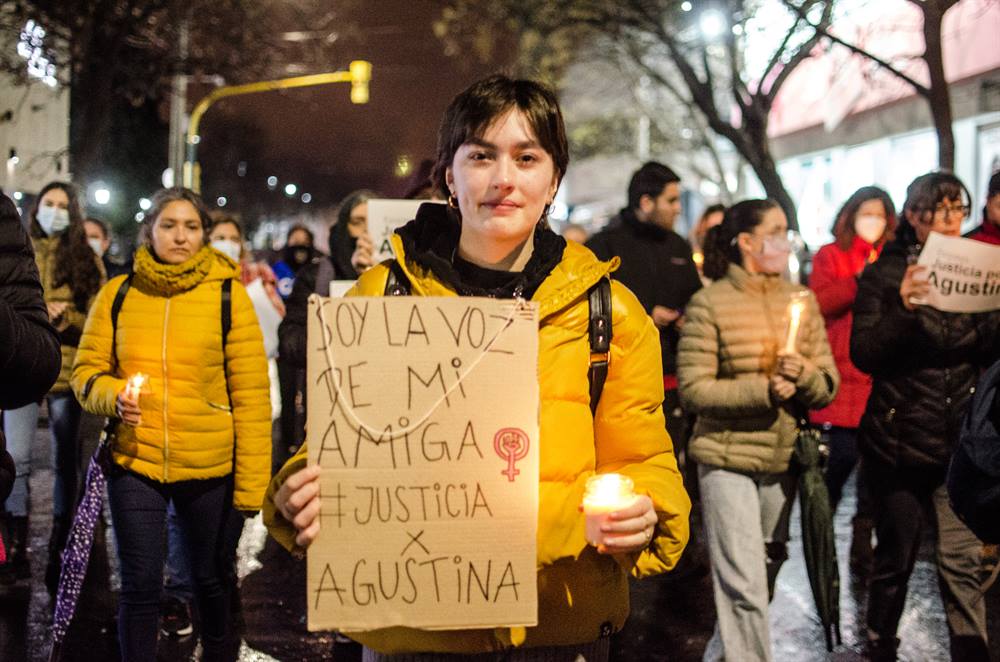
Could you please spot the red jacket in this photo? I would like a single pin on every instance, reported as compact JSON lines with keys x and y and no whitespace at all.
{"x":834,"y":281}
{"x":987,"y":232}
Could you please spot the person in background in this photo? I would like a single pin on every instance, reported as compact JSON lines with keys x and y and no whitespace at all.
{"x":299,"y":251}
{"x":575,"y":233}
{"x":29,"y":365}
{"x":709,"y":218}
{"x":989,"y":230}
{"x":99,"y":238}
{"x":748,"y":392}
{"x":656,"y":264}
{"x":351,"y":247}
{"x":502,"y":152}
{"x":861,"y":228}
{"x":197,"y":435}
{"x":71,"y":274}
{"x":924,"y":365}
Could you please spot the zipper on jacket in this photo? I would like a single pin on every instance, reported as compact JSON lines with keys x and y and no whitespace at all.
{"x":166,"y":433}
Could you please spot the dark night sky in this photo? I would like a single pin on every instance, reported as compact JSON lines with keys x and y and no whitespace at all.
{"x":316,"y":138}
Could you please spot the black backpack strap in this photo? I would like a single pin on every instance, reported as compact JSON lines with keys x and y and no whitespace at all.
{"x":116,"y":309}
{"x":397,"y":284}
{"x":227,"y":311}
{"x":600,"y":333}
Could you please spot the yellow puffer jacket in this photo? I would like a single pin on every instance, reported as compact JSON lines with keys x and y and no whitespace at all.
{"x":582,"y":595}
{"x":732,"y":332}
{"x":45,"y":258}
{"x":170,"y":328}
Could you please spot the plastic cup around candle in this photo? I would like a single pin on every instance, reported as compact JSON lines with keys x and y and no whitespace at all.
{"x":603,"y":495}
{"x":134,"y":385}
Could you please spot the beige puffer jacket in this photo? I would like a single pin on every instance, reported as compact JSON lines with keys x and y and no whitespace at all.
{"x":732,"y":333}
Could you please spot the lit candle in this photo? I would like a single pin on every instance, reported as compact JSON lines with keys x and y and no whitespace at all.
{"x":795,"y":309}
{"x":604,"y":494}
{"x":134,"y":385}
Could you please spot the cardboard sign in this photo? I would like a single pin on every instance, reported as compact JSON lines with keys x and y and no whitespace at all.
{"x":384,"y":216}
{"x":423,"y":413}
{"x":964,"y":274}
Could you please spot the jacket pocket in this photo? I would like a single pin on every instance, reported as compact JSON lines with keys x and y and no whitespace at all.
{"x":226,"y":408}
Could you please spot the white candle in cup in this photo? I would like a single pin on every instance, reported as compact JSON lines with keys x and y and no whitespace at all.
{"x":134,"y":385}
{"x":795,"y":310}
{"x":604,"y":494}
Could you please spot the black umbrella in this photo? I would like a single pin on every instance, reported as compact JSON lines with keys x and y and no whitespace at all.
{"x":817,"y":534}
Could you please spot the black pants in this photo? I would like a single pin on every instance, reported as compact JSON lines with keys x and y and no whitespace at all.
{"x":843,"y":458}
{"x":904,"y":500}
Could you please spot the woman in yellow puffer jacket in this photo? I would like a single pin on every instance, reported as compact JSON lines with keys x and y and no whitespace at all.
{"x":198,"y":435}
{"x":748,"y":393}
{"x":502,"y":152}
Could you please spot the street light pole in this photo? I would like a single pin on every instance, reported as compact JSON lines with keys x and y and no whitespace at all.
{"x":359,"y":73}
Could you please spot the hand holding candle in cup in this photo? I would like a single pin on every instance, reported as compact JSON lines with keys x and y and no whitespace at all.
{"x":617,"y":519}
{"x":127,"y":403}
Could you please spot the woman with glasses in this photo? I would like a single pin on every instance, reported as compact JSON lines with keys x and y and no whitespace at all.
{"x":924,"y":364}
{"x":748,"y":387}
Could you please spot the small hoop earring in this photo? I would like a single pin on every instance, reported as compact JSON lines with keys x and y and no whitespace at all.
{"x":453,"y":201}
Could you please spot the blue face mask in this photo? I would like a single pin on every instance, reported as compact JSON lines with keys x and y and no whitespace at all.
{"x":53,"y":220}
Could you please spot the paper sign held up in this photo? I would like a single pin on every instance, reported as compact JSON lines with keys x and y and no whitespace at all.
{"x":423,"y":414}
{"x":964,"y":274}
{"x":384,"y":216}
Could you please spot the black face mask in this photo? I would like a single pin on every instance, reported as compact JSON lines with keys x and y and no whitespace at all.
{"x":298,"y":256}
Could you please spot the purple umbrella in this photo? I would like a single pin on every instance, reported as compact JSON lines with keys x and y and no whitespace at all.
{"x":77,"y":553}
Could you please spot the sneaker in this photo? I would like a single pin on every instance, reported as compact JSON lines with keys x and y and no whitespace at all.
{"x":176,"y":621}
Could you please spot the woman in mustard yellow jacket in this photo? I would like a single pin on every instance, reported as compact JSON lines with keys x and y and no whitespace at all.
{"x":502,"y":152}
{"x":198,"y":434}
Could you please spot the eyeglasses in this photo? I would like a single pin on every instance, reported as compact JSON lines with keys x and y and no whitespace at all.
{"x":959,"y":211}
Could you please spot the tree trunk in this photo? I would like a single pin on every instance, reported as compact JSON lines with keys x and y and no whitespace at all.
{"x":940,"y":97}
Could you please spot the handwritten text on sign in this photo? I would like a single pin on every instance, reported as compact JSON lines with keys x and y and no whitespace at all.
{"x":964,"y":274}
{"x":423,"y":413}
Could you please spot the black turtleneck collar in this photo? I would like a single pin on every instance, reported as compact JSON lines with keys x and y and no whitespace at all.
{"x":431,"y":239}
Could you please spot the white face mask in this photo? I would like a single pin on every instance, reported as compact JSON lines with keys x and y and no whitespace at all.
{"x":869,"y":227}
{"x":97,"y":246}
{"x":228,"y":248}
{"x":53,"y":220}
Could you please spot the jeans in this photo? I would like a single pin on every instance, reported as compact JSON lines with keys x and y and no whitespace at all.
{"x":746,"y":523}
{"x":178,"y":581}
{"x":19,"y":427}
{"x":905,"y":500}
{"x":844,"y":456}
{"x":64,"y":425}
{"x":139,"y":511}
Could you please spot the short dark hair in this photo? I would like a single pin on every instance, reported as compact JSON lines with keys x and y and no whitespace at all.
{"x":164,"y":197}
{"x":721,"y":248}
{"x":299,"y":227}
{"x":924,"y":193}
{"x":105,"y":229}
{"x":473,"y":110}
{"x":649,"y":180}
{"x":220,"y":217}
{"x":843,"y":224}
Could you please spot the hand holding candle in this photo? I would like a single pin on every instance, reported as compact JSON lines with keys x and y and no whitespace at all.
{"x":127,"y":403}
{"x":605,"y":493}
{"x":796,"y":308}
{"x":134,"y":386}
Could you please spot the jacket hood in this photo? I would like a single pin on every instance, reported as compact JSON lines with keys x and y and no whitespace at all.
{"x":557,"y":272}
{"x":169,"y":279}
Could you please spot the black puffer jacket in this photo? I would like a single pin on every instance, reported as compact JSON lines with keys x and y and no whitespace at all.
{"x":924,"y":365}
{"x":29,"y":348}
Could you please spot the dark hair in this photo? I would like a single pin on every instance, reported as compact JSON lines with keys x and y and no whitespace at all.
{"x":472,"y":112}
{"x":993,"y":188}
{"x":649,"y":180}
{"x":298,"y":227}
{"x":923,"y":194}
{"x":164,"y":197}
{"x":76,"y":264}
{"x":351,"y":201}
{"x":721,"y":248}
{"x":843,"y":224}
{"x":105,"y":230}
{"x":220,"y":217}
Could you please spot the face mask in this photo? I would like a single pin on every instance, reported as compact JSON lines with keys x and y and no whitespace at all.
{"x":869,"y":227}
{"x":298,"y":256}
{"x":53,"y":219}
{"x":228,"y":248}
{"x":97,"y":246}
{"x":773,"y":257}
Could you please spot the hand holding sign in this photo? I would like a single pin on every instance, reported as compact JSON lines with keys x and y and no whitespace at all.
{"x":954,"y":274}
